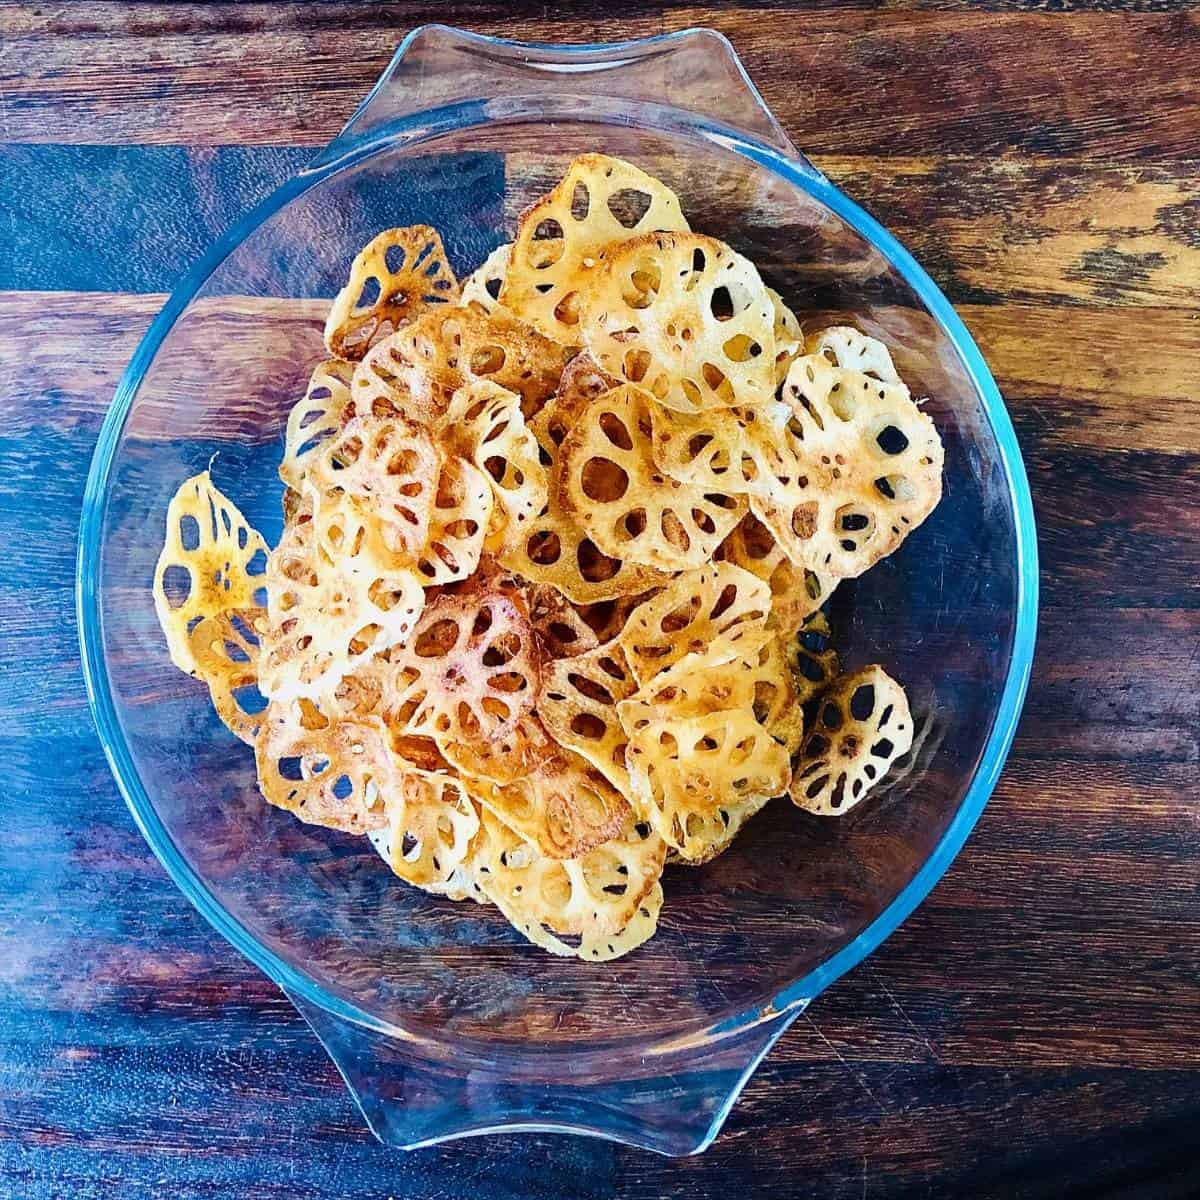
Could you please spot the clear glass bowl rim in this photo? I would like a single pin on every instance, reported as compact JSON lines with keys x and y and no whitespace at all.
{"x":424,"y":126}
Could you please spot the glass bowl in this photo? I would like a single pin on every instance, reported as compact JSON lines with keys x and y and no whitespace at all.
{"x":441,"y":1018}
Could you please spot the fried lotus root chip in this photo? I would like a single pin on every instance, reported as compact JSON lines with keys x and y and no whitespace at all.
{"x":513,"y":752}
{"x":608,"y":482}
{"x":458,"y":523}
{"x":381,"y":472}
{"x":314,"y":418}
{"x":789,"y":336}
{"x":395,"y":275}
{"x":863,"y":725}
{"x":813,"y":659}
{"x":845,"y":347}
{"x":330,"y":614}
{"x":599,"y":201}
{"x":484,"y":423}
{"x":596,"y":893}
{"x":481,"y":289}
{"x":874,"y":464}
{"x":689,"y":613}
{"x":469,"y":672}
{"x":432,"y":822}
{"x":563,"y":806}
{"x":685,"y":771}
{"x":747,"y":669}
{"x":578,"y":705}
{"x":225,"y":649}
{"x":796,"y":592}
{"x":335,"y":773}
{"x":559,"y":627}
{"x":418,"y":370}
{"x":684,"y":317}
{"x":209,"y":564}
{"x":582,"y":382}
{"x":460,"y":885}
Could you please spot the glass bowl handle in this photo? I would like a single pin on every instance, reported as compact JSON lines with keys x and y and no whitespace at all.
{"x":438,"y":68}
{"x":674,"y":1103}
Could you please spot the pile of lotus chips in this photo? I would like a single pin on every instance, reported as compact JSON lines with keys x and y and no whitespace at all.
{"x":545,"y":612}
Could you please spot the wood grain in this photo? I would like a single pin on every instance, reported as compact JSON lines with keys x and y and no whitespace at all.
{"x":973,"y":81}
{"x":1033,"y":1030}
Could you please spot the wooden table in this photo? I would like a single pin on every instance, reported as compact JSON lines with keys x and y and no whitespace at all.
{"x":1034,"y":1030}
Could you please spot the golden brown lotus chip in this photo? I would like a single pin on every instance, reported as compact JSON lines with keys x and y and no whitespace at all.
{"x":314,"y":418}
{"x":608,"y":482}
{"x":873,"y":464}
{"x":469,"y":672}
{"x":431,"y":822}
{"x":582,"y":382}
{"x":458,"y":524}
{"x":685,"y":318}
{"x":813,"y":659}
{"x":417,"y":370}
{"x":484,"y":424}
{"x":796,"y":592}
{"x":225,"y":650}
{"x":481,"y":289}
{"x":563,"y":806}
{"x":713,"y":833}
{"x":863,"y":725}
{"x":578,"y":704}
{"x":510,"y":754}
{"x":212,"y":561}
{"x":558,"y":625}
{"x":683,"y":771}
{"x":394,"y":277}
{"x":561,"y":238}
{"x":597,"y":893}
{"x":380,"y":473}
{"x":845,"y":347}
{"x":789,"y":336}
{"x":338,"y":774}
{"x":689,"y":613}
{"x":331,"y":613}
{"x":748,"y":669}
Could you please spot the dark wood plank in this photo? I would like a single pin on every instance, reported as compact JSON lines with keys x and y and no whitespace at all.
{"x":975,"y":81}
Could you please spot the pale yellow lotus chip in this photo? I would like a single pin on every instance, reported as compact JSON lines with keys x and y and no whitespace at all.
{"x":683,"y":772}
{"x":578,"y":704}
{"x":314,"y":418}
{"x":377,"y":473}
{"x":395,"y":276}
{"x":597,"y":893}
{"x":713,"y":833}
{"x":796,"y":592}
{"x":563,"y":806}
{"x":582,"y":382}
{"x":873,"y":465}
{"x":212,"y":561}
{"x":685,"y":318}
{"x":561,"y":238}
{"x":225,"y":650}
{"x":845,"y":347}
{"x":460,"y":885}
{"x":789,"y":336}
{"x":431,"y":823}
{"x":469,"y":672}
{"x":484,"y":423}
{"x":333,"y":773}
{"x":689,"y":613}
{"x":458,"y":524}
{"x":331,"y":614}
{"x":747,"y":669}
{"x":594,"y":946}
{"x":863,"y":725}
{"x":417,"y":370}
{"x":608,"y":482}
{"x":481,"y":289}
